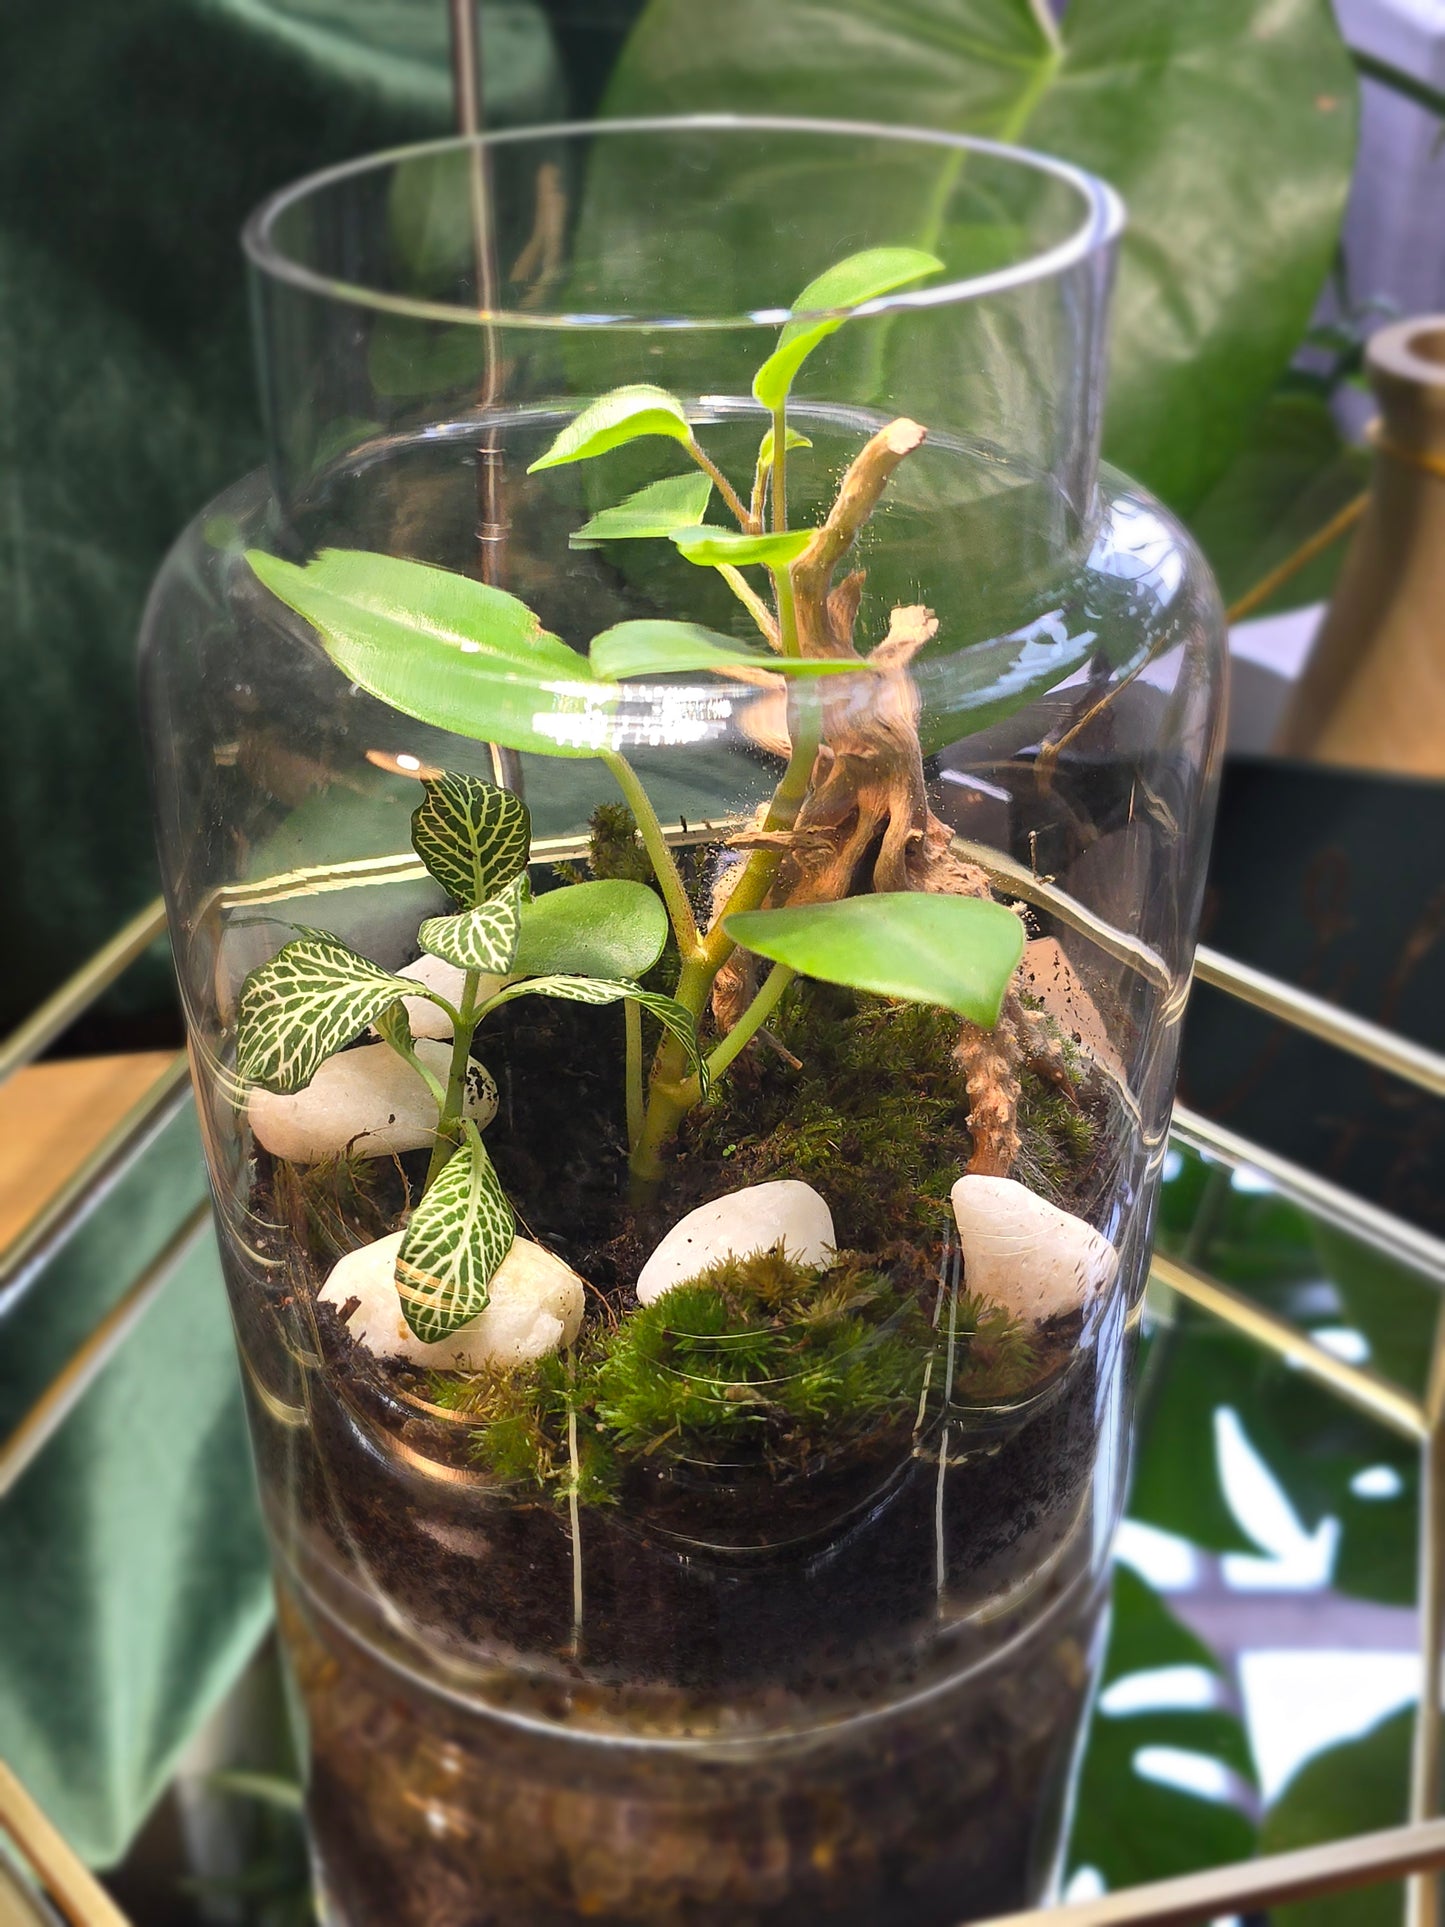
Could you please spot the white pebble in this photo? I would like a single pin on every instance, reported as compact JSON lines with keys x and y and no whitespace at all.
{"x":535,"y":1307}
{"x":369,"y":1102}
{"x":447,"y":981}
{"x":736,"y":1226}
{"x":1024,"y":1254}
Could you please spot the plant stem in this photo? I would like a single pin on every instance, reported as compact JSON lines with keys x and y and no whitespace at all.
{"x":724,"y":488}
{"x":669,"y":878}
{"x":752,"y":1019}
{"x":780,"y":467}
{"x":761,"y":614}
{"x":448,"y":1136}
{"x":636,"y":1098}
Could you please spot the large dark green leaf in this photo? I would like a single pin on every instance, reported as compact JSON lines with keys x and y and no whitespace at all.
{"x":1357,"y":1787}
{"x":1228,"y":127}
{"x":1132,"y":1828}
{"x":1289,"y":476}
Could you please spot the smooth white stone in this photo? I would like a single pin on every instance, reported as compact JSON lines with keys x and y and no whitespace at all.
{"x":1024,"y":1254}
{"x":369,"y":1102}
{"x":736,"y":1226}
{"x":447,"y":981}
{"x":535,"y":1308}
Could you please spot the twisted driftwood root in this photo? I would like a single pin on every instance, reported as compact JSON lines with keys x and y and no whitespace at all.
{"x":867,"y":824}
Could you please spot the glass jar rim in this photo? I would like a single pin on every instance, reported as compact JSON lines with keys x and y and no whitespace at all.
{"x":1101,"y":223}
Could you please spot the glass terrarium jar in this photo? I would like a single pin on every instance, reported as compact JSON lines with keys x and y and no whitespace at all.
{"x":684,"y":952}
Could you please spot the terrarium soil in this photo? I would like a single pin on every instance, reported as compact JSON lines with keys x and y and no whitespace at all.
{"x":699,"y":1577}
{"x":425,"y":1814}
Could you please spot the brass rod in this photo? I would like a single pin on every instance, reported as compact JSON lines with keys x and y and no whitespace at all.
{"x":1316,"y":1194}
{"x":68,"y":1885}
{"x":89,"y":1359}
{"x":1422,"y":1908}
{"x":1250,"y":1886}
{"x":60,"y":1011}
{"x":1356,"y":1035}
{"x":26,"y":1256}
{"x":1357,"y":1385}
{"x":363,"y":872}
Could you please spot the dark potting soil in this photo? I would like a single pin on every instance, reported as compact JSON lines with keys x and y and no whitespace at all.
{"x":428,"y":1815}
{"x":694,"y":1579}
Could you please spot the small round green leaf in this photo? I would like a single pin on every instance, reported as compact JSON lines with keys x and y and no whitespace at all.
{"x":712,"y":548}
{"x":847,"y":284}
{"x":957,"y":952}
{"x":610,"y":928}
{"x":620,"y":416}
{"x":676,"y":502}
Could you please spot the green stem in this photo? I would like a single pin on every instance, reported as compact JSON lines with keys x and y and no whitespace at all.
{"x":780,"y":467}
{"x":449,"y":1124}
{"x":669,"y":878}
{"x":752,"y":1020}
{"x":636,"y":1098}
{"x":724,"y":488}
{"x":761,"y":614}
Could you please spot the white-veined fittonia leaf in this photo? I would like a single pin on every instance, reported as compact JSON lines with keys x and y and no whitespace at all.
{"x":458,"y":1236}
{"x":473,"y":836}
{"x":299,"y":1009}
{"x":484,"y":938}
{"x":673,"y":1016}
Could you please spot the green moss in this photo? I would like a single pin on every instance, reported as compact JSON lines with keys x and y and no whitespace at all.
{"x":331,"y":1207}
{"x":766,"y":1352}
{"x":759,"y":1361}
{"x":877,"y":1117}
{"x":614,"y":848}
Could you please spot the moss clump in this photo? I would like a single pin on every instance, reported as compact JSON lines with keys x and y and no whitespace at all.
{"x":876,"y":1116}
{"x":758,"y":1363}
{"x":777,"y":1359}
{"x":524,"y":1435}
{"x":1058,"y":1139}
{"x":614,"y":849}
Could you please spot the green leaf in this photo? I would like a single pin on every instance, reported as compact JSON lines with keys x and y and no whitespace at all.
{"x":712,"y":548}
{"x":458,"y":1236}
{"x":673,"y":1016}
{"x":1290,"y":475}
{"x":656,"y":648}
{"x":1131,"y":1828}
{"x":473,"y":836}
{"x":792,"y":439}
{"x":959,"y":952}
{"x":483,"y":938}
{"x":1360,"y":1786}
{"x":299,"y":1008}
{"x":847,"y":284}
{"x":676,"y":502}
{"x":1215,"y":290}
{"x":610,"y":928}
{"x":455,"y":653}
{"x":615,"y":418}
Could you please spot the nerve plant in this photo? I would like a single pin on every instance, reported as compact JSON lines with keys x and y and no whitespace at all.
{"x":847,"y":876}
